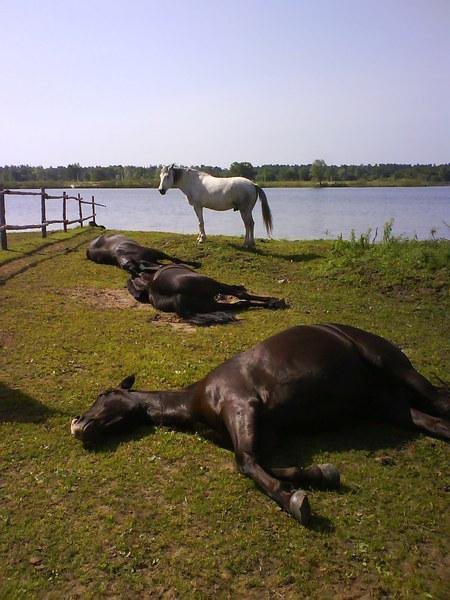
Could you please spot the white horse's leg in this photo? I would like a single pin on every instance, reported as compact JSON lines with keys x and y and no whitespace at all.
{"x":249,"y":223}
{"x":201,"y":226}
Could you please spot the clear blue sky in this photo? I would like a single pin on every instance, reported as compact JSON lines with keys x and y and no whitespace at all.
{"x":269,"y":81}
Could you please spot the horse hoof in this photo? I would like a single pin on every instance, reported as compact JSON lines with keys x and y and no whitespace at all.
{"x":331,"y":478}
{"x":277,"y":304}
{"x":299,"y":507}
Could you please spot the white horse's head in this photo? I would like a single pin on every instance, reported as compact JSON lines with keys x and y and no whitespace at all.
{"x":166,"y":178}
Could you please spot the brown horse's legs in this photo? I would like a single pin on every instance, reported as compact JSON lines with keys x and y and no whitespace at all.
{"x":266,"y":301}
{"x":240,"y":420}
{"x":240,"y":292}
{"x":237,"y":305}
{"x":433,"y":425}
{"x":403,"y":414}
{"x":323,"y":476}
{"x":428,"y":399}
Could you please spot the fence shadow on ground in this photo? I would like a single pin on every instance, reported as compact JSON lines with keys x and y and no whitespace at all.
{"x":36,"y":252}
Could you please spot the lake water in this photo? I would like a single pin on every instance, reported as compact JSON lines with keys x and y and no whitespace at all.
{"x":305,"y":213}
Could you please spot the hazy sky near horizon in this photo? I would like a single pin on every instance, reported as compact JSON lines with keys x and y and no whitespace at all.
{"x":212,"y":82}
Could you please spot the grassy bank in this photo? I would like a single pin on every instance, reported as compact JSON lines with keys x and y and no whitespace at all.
{"x":350,"y":183}
{"x":165,"y":514}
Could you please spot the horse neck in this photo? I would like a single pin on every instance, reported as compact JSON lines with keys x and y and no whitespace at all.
{"x":187,"y":181}
{"x":168,"y":408}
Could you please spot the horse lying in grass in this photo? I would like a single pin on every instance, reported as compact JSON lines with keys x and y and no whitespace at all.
{"x":124,"y":252}
{"x":304,"y":378}
{"x":218,"y":193}
{"x":178,"y":289}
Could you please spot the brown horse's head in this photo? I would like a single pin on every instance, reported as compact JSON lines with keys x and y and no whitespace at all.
{"x":113,"y":410}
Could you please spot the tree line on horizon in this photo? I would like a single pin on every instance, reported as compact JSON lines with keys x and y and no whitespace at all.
{"x":318,"y":172}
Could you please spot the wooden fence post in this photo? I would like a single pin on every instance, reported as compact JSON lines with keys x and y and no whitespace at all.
{"x":80,"y":210}
{"x":4,"y":239}
{"x":43,"y":215}
{"x":65,"y":211}
{"x":93,"y":211}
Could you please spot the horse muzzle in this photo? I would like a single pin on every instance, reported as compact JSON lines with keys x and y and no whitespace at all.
{"x":82,"y":430}
{"x":162,"y":192}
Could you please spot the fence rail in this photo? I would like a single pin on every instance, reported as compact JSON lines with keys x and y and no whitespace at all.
{"x":44,"y":221}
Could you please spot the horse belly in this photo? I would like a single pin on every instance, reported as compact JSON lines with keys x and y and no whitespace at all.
{"x":217,"y":201}
{"x":316,"y":404}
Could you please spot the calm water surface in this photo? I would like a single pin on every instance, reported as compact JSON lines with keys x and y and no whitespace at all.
{"x":305,"y":213}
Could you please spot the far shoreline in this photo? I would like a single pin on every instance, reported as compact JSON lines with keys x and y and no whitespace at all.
{"x":27,"y":185}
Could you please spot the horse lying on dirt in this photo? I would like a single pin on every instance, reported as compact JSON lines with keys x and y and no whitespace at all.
{"x":124,"y":252}
{"x":304,"y":378}
{"x":178,"y":289}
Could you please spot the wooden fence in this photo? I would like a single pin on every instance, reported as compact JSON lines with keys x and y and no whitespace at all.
{"x":44,"y":221}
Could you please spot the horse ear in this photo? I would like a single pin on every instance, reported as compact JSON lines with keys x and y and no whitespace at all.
{"x":127,"y":383}
{"x":172,"y":166}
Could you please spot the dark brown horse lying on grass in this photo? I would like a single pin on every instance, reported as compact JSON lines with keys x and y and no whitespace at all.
{"x":178,"y":289}
{"x":304,"y":378}
{"x":124,"y":252}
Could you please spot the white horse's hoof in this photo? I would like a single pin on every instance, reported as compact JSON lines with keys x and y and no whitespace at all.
{"x":299,"y":507}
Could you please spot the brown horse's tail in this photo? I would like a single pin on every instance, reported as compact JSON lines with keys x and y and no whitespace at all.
{"x":266,"y":213}
{"x":213,"y":318}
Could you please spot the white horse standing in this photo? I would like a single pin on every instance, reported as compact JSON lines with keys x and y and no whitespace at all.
{"x":218,"y":193}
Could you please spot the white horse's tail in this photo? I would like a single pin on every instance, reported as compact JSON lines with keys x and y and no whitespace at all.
{"x":266,"y":213}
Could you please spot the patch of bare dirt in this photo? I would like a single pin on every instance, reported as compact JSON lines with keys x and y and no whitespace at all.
{"x":6,"y":339}
{"x":410,"y":293}
{"x":105,"y":298}
{"x":108,"y":298}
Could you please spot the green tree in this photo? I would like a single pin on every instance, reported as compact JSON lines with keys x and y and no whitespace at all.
{"x":304,"y":172}
{"x":267,"y":174}
{"x":242,"y":169}
{"x":74,"y":171}
{"x":318,"y":170}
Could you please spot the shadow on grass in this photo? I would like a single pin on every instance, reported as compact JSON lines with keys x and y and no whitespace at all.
{"x":366,"y":436}
{"x":294,"y":449}
{"x":17,"y":407}
{"x":321,"y":524}
{"x":289,"y":257}
{"x":107,"y":445}
{"x":46,"y":256}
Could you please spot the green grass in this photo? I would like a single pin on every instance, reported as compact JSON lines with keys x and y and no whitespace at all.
{"x":165,"y":513}
{"x":395,"y":263}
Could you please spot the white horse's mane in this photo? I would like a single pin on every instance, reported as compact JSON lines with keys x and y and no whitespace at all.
{"x":191,"y":169}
